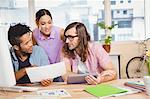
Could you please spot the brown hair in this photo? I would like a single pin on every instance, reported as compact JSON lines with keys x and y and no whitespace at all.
{"x":41,"y":13}
{"x":84,"y":37}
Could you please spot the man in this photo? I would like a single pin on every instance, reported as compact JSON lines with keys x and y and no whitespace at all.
{"x":83,"y":56}
{"x":24,"y":54}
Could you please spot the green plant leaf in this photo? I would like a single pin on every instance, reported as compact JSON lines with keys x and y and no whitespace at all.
{"x":112,"y":26}
{"x":102,"y":25}
{"x":108,"y":40}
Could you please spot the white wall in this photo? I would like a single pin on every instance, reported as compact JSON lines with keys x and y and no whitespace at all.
{"x":127,"y":50}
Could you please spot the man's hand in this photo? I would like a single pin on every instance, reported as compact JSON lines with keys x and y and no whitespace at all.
{"x":92,"y":80}
{"x":103,"y":77}
{"x":46,"y":82}
{"x":20,"y":73}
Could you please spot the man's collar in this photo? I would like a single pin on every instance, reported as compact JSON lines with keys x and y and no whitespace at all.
{"x":13,"y":55}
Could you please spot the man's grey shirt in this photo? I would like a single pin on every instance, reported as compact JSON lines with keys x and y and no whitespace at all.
{"x":38,"y":57}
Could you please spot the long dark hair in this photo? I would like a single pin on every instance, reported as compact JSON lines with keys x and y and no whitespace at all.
{"x":84,"y":38}
{"x":41,"y":13}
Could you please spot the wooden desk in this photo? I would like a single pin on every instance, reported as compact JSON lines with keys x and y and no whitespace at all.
{"x":76,"y":91}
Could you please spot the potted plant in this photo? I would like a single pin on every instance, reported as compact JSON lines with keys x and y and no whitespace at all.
{"x":108,"y":37}
{"x":107,"y":43}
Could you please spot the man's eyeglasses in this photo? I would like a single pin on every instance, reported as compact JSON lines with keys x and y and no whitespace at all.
{"x":70,"y":37}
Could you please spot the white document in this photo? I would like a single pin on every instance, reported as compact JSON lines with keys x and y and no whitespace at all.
{"x":36,"y":74}
{"x":54,"y":92}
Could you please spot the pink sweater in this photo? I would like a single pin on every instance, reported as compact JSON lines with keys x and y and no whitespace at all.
{"x":96,"y":59}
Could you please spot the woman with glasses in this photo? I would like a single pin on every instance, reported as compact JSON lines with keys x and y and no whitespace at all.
{"x":48,"y":36}
{"x":82,"y":56}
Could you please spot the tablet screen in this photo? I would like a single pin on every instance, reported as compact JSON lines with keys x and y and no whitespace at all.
{"x":77,"y":79}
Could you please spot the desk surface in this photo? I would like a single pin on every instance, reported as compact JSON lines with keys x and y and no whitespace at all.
{"x":76,"y":91}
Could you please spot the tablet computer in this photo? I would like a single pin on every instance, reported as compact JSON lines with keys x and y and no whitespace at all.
{"x":77,"y":79}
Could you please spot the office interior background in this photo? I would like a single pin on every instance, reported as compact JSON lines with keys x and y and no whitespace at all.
{"x":132,"y":17}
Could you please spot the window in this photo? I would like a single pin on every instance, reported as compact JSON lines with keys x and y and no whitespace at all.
{"x":124,"y":24}
{"x":129,"y":20}
{"x":67,"y":11}
{"x":121,"y":1}
{"x":129,"y":1}
{"x":128,"y":16}
{"x":13,"y":12}
{"x":124,"y":11}
{"x":118,"y":11}
{"x":113,"y":2}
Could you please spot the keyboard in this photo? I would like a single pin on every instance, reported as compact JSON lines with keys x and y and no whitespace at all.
{"x":19,"y":89}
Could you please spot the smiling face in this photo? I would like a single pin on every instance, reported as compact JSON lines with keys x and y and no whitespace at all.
{"x":45,"y":25}
{"x":71,"y":38}
{"x":26,"y":43}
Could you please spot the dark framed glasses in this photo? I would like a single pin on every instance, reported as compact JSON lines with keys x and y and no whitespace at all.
{"x":70,"y":37}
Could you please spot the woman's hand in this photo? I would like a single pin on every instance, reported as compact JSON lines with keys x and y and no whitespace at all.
{"x":46,"y":82}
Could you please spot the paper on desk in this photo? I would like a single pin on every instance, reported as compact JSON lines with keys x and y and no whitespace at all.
{"x":54,"y":92}
{"x":36,"y":74}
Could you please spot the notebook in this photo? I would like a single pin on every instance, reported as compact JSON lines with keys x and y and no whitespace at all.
{"x":104,"y":90}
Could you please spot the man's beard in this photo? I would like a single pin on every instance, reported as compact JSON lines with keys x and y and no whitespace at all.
{"x":25,"y":54}
{"x":74,"y":48}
